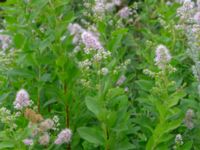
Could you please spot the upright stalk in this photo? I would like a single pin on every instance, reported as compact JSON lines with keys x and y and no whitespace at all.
{"x":38,"y":100}
{"x":67,"y":113}
{"x":38,"y":95}
{"x":106,"y":135}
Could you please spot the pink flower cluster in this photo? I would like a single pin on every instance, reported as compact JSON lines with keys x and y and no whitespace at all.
{"x":22,"y":99}
{"x":162,"y":56}
{"x":75,"y":30}
{"x":5,"y":41}
{"x":125,"y":12}
{"x":28,"y":142}
{"x":86,"y":37}
{"x":63,"y":137}
{"x":91,"y":41}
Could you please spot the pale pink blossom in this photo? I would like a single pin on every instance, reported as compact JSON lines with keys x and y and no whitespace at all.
{"x":28,"y":142}
{"x":124,"y":12}
{"x":197,"y":17}
{"x":46,"y":125}
{"x":22,"y":99}
{"x":5,"y":41}
{"x":162,"y":56}
{"x":44,"y":139}
{"x":63,"y":137}
{"x":121,"y":80}
{"x":117,"y":2}
{"x":91,"y":41}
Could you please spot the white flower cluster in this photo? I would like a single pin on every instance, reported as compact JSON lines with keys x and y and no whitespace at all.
{"x":101,"y":55}
{"x":179,"y":139}
{"x":103,"y":6}
{"x":6,"y":117}
{"x":104,"y":71}
{"x":56,"y":123}
{"x":122,"y":67}
{"x":85,"y":82}
{"x":85,"y":64}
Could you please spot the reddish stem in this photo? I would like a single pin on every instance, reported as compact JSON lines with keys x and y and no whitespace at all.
{"x":38,"y":101}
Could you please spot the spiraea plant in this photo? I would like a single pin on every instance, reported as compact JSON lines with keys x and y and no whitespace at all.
{"x":102,"y":74}
{"x":189,"y":22}
{"x":87,"y":75}
{"x":68,"y":65}
{"x":163,"y":115}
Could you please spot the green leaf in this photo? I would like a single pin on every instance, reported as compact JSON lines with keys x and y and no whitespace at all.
{"x":3,"y":134}
{"x":187,"y":145}
{"x":62,"y":3}
{"x":4,"y":96}
{"x":92,"y":135}
{"x":171,"y":125}
{"x":175,"y":98}
{"x":161,"y":109}
{"x":117,"y":36}
{"x":114,"y":92}
{"x":144,"y":122}
{"x":21,"y":73}
{"x":150,"y":144}
{"x":49,"y":102}
{"x":46,"y":77}
{"x":6,"y":144}
{"x":38,"y":6}
{"x":145,"y":85}
{"x":93,"y":105}
{"x":124,"y":145}
{"x":166,"y":137}
{"x":19,"y":40}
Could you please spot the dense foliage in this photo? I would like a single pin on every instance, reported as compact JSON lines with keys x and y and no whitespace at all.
{"x":99,"y":74}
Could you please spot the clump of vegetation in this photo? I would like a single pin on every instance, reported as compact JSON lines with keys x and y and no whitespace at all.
{"x":99,"y":74}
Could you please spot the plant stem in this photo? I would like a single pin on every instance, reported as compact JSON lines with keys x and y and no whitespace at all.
{"x":67,"y":113}
{"x":38,"y":95}
{"x":38,"y":101}
{"x":106,"y":136}
{"x":107,"y":143}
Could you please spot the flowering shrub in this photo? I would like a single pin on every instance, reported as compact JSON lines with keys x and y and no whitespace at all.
{"x":99,"y":74}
